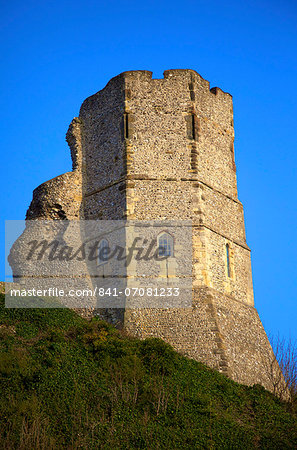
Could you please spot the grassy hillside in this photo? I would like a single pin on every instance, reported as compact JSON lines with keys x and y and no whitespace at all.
{"x":69,"y":383}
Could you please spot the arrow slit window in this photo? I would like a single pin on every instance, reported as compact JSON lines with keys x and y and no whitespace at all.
{"x":228,"y":260}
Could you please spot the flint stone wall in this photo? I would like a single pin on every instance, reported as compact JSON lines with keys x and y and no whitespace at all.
{"x":146,"y":148}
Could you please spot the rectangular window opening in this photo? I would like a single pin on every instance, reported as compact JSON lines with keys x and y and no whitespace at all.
{"x":193,"y":127}
{"x":228,"y":260}
{"x":126,"y":126}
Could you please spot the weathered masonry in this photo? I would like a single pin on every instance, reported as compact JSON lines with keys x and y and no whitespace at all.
{"x":146,"y":148}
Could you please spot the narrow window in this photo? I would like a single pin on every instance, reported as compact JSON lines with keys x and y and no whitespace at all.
{"x":228,"y":260}
{"x":126,"y":126}
{"x":193,"y":127}
{"x":102,"y":251}
{"x":165,"y":245}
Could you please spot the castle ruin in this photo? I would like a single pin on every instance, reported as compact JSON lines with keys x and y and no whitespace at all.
{"x":162,"y":149}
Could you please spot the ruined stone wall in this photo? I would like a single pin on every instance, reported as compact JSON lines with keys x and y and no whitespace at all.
{"x":57,"y":199}
{"x":146,"y":148}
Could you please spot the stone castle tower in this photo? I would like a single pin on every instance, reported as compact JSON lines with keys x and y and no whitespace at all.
{"x":146,"y":148}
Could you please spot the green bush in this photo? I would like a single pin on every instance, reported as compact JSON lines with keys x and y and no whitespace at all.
{"x":71,"y":383}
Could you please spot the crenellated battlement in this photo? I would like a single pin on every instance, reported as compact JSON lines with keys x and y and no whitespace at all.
{"x":212,"y":103}
{"x":188,"y":74}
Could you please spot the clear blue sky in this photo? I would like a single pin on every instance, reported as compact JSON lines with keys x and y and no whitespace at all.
{"x":56,"y":53}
